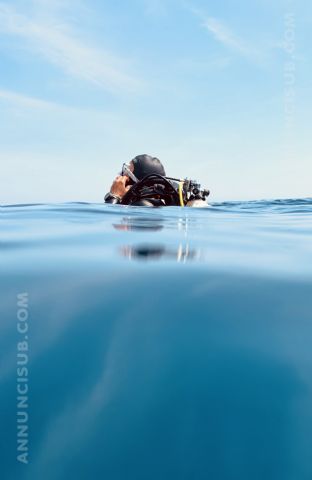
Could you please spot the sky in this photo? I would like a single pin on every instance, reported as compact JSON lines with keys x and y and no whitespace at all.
{"x":220,"y":91}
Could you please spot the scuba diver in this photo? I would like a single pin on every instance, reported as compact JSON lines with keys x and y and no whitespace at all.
{"x":143,"y":182}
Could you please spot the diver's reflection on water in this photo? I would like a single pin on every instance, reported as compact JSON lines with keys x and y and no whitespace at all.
{"x":138,"y":223}
{"x":181,"y":254}
{"x":155,"y":251}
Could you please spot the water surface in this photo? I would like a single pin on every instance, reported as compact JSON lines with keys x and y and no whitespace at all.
{"x":163,"y":343}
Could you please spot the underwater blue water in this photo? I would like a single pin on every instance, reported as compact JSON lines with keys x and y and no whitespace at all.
{"x":161,"y":343}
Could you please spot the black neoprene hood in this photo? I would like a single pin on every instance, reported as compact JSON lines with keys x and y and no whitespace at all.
{"x":145,"y":165}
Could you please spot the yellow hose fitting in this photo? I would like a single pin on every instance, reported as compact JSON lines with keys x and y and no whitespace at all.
{"x":181,"y":193}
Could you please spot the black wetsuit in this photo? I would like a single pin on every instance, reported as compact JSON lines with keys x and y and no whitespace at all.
{"x":146,"y":202}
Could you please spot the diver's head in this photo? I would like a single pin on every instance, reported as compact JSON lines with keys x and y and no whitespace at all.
{"x":143,"y":165}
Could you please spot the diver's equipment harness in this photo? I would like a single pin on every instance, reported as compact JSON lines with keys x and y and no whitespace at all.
{"x":160,"y":191}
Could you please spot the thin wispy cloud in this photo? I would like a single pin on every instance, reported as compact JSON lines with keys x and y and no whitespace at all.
{"x":224,"y":35}
{"x":21,"y":100}
{"x":55,"y":41}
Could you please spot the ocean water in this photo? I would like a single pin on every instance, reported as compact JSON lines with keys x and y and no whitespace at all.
{"x":156,"y":343}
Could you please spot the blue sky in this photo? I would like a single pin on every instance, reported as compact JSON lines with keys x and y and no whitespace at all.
{"x":219,"y":91}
